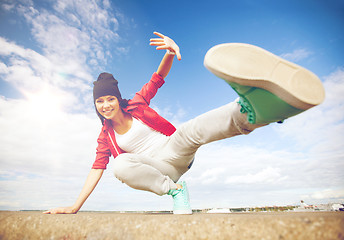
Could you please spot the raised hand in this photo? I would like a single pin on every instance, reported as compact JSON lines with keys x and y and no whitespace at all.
{"x":164,"y":42}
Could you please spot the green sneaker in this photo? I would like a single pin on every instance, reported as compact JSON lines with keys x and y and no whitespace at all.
{"x":181,"y":201}
{"x":271,"y":89}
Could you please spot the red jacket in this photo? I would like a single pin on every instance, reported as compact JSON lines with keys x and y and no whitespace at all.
{"x":139,"y":108}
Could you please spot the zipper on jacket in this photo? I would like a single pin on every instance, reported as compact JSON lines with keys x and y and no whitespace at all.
{"x":113,"y":144}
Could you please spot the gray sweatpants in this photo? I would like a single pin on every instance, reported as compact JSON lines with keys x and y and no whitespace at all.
{"x":158,"y":173}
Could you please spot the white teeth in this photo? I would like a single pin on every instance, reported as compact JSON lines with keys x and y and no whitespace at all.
{"x":106,"y":111}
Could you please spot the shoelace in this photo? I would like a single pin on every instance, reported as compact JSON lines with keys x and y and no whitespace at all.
{"x":246,"y":107}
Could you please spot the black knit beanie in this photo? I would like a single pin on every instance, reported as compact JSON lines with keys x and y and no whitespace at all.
{"x":105,"y":85}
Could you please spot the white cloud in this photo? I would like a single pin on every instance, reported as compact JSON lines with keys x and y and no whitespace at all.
{"x":70,"y":36}
{"x":73,"y":43}
{"x":211,"y":175}
{"x":38,"y":137}
{"x":175,"y":116}
{"x":326,"y":195}
{"x":267,"y":175}
{"x":226,"y":164}
{"x":101,"y":21}
{"x":30,"y":72}
{"x":321,"y":127}
{"x":48,"y":137}
{"x":46,"y":153}
{"x":297,"y":55}
{"x":7,"y":6}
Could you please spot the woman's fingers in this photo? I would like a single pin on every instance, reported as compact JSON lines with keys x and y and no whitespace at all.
{"x":157,"y":43}
{"x":179,"y":56}
{"x":165,"y":42}
{"x":60,"y":210}
{"x":159,"y":34}
{"x":162,"y":47}
{"x":157,"y":39}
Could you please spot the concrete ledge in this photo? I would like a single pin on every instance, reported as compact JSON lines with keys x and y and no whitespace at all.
{"x":107,"y":225}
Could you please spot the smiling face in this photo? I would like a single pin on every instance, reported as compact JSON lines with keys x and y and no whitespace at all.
{"x":108,"y":106}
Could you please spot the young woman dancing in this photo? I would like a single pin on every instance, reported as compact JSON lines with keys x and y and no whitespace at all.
{"x":151,"y":154}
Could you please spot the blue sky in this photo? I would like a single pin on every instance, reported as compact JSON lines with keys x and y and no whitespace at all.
{"x":52,"y":51}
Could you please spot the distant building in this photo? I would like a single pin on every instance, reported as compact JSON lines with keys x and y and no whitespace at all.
{"x":219,"y":210}
{"x":304,"y":207}
{"x":337,"y":207}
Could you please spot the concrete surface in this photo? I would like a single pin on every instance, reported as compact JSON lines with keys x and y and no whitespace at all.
{"x":107,"y":225}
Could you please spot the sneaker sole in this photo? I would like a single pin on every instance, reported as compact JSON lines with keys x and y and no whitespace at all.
{"x":253,"y":66}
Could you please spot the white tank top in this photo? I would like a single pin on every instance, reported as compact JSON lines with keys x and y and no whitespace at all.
{"x":141,"y":139}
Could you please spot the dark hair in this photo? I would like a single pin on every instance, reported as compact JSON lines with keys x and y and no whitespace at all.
{"x":105,"y":85}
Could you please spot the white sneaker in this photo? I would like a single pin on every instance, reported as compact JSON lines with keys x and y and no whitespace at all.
{"x":181,"y":201}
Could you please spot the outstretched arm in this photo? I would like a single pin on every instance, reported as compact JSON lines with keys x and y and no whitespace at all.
{"x":91,"y":182}
{"x":172,"y":48}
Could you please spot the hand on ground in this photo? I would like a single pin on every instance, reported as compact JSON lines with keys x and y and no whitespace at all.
{"x":61,"y":210}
